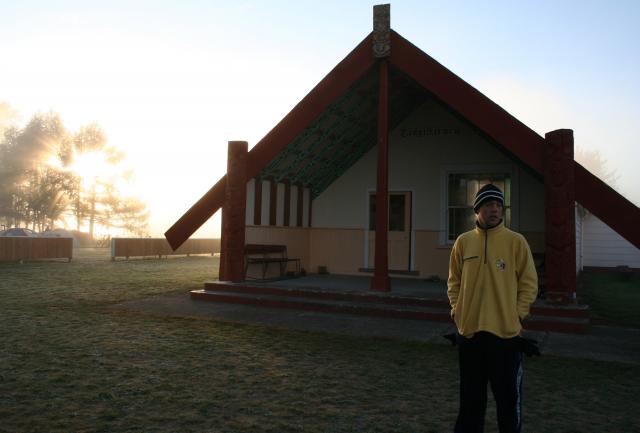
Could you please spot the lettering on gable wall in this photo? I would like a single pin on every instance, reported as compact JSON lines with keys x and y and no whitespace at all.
{"x":428,"y":132}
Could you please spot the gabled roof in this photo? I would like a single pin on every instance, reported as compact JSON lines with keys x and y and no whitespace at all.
{"x":313,"y":144}
{"x":344,"y":132}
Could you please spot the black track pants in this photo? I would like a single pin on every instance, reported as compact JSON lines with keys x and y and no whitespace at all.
{"x":487,"y":359}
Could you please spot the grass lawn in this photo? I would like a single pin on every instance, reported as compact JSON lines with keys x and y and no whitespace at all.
{"x":612,"y":299}
{"x":70,"y":363}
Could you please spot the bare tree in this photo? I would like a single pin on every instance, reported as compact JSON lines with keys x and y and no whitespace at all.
{"x":593,"y":161}
{"x":45,"y":197}
{"x":132,"y":216}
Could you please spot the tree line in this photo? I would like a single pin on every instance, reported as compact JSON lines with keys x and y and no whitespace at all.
{"x":50,"y":176}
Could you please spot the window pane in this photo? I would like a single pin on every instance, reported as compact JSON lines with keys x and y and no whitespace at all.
{"x":458,"y":190}
{"x":499,"y":184}
{"x":461,"y":195}
{"x":472,"y":190}
{"x":460,"y":221}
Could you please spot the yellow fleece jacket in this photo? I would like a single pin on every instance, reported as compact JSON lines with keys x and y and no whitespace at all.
{"x":492,"y":281}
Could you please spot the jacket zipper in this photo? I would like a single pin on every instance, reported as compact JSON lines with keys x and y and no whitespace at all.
{"x":486,"y":235}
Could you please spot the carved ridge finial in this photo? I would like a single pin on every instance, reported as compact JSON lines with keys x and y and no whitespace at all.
{"x":382,"y":30}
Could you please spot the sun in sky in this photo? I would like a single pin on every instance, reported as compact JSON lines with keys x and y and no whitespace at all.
{"x":91,"y":167}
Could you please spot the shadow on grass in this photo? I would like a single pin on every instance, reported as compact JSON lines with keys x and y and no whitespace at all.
{"x":69,"y":363}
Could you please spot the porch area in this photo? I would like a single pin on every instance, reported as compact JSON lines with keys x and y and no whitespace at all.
{"x":410,"y":299}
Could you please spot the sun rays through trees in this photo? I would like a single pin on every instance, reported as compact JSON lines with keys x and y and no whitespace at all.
{"x":51,"y":177}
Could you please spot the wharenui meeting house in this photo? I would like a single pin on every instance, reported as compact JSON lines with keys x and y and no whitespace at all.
{"x":374,"y":172}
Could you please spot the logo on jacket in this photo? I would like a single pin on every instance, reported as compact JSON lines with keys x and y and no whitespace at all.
{"x":500,"y":264}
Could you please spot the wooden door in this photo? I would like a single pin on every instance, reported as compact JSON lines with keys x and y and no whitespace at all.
{"x":399,"y":234}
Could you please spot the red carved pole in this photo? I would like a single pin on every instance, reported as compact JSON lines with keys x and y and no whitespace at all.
{"x":233,"y":214}
{"x":380,"y":281}
{"x":560,"y":228}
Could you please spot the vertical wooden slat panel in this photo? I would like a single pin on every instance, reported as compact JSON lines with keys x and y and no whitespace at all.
{"x":273,"y":202}
{"x":310,"y":208}
{"x":257,"y":200}
{"x":300,"y":205}
{"x":287,"y":204}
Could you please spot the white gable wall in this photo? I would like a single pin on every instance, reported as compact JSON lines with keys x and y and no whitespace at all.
{"x":422,"y":149}
{"x":343,"y":203}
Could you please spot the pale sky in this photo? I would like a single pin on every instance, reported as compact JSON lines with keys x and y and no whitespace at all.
{"x":171,"y":82}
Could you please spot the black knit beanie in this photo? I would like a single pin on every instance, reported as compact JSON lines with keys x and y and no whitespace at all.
{"x":486,"y":193}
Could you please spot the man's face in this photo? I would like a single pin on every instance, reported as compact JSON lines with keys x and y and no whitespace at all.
{"x":490,"y":214}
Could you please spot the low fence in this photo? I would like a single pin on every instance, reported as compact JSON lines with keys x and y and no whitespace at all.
{"x":18,"y":248}
{"x":143,"y":247}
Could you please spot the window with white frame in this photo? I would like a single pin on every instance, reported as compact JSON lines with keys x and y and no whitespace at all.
{"x":461,"y":193}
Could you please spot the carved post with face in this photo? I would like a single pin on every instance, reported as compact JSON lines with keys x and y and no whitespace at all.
{"x":233,"y":214}
{"x":560,"y":229}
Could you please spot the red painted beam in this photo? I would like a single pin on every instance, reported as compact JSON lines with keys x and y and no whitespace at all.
{"x":197,"y":215}
{"x":479,"y":110}
{"x":607,"y":204}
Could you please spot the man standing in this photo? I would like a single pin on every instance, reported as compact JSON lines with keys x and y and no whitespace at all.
{"x":492,"y":284}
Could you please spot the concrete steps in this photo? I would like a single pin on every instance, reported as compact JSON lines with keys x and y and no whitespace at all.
{"x":571,"y":319}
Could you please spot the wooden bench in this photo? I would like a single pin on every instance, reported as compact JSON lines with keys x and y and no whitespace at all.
{"x":265,"y":255}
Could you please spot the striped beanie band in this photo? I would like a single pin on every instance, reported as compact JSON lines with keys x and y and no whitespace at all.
{"x":486,"y":193}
